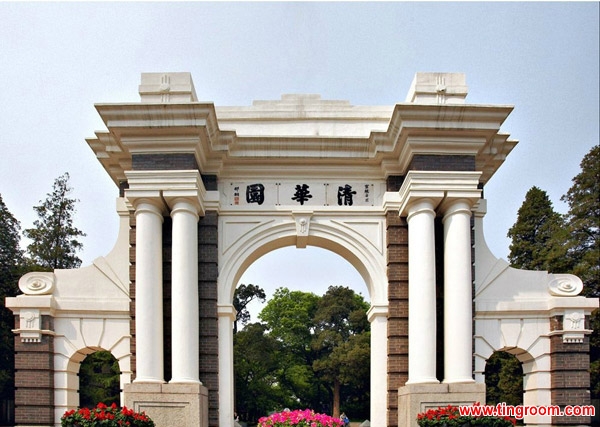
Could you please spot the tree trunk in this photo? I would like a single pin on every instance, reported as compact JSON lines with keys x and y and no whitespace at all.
{"x":336,"y":398}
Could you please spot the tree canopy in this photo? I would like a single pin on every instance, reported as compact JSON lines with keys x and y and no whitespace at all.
{"x":545,"y":240}
{"x":307,"y":351}
{"x":244,"y":295}
{"x":532,"y":233}
{"x":54,"y":237}
{"x":11,"y":261}
{"x":583,"y":222}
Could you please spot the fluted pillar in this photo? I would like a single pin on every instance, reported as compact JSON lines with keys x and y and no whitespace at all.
{"x":458,"y":300}
{"x":148,"y":292}
{"x":421,"y":293}
{"x":184,"y":293}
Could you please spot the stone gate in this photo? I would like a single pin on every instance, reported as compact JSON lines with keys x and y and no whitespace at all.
{"x":206,"y":190}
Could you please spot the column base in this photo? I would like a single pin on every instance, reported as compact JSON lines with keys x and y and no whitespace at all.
{"x":416,"y":398}
{"x":169,"y":404}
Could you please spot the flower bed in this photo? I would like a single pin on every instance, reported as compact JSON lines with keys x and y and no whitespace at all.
{"x":306,"y":418}
{"x":105,"y":416}
{"x":449,"y":416}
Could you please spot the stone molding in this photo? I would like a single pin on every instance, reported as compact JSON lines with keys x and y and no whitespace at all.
{"x":164,"y":188}
{"x":441,"y":188}
{"x":271,"y":136}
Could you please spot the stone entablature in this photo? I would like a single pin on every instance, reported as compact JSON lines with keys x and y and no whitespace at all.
{"x":207,"y":190}
{"x":289,"y":137}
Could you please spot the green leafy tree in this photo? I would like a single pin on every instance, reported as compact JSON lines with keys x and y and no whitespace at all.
{"x":504,"y":379}
{"x":11,"y":261}
{"x":567,"y":245}
{"x":244,"y":295}
{"x":99,"y":380}
{"x":583,"y":242}
{"x":583,"y":222}
{"x":256,"y":366}
{"x":303,"y":347}
{"x":340,"y":317}
{"x":353,"y":359}
{"x":532,"y":234}
{"x":289,"y":319}
{"x":54,"y":237}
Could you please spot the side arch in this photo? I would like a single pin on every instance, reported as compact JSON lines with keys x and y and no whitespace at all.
{"x":522,"y":338}
{"x":77,"y":338}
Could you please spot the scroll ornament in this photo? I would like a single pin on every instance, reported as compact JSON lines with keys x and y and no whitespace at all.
{"x":37,"y":283}
{"x":565,"y":285}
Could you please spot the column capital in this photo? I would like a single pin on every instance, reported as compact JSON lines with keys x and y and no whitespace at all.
{"x":146,"y":203}
{"x":379,"y":310}
{"x":421,"y":205}
{"x":226,"y":311}
{"x":453,"y":205}
{"x":438,"y":186}
{"x":169,"y":186}
{"x":184,"y":204}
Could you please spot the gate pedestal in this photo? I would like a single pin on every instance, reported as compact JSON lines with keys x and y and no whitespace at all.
{"x":416,"y":398}
{"x":169,"y":404}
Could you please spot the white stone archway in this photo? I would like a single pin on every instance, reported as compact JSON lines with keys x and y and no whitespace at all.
{"x":205,"y":191}
{"x":360,"y":240}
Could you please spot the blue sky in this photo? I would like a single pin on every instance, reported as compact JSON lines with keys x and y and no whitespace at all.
{"x":59,"y":59}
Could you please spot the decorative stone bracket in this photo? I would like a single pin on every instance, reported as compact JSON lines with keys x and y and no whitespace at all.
{"x":37,"y":288}
{"x":30,"y":323}
{"x":574,"y":326}
{"x":571,"y":317}
{"x":302,"y":228}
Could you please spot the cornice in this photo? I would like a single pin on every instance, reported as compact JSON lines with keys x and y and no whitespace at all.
{"x":195,"y":128}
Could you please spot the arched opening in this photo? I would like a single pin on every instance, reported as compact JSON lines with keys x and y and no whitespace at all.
{"x":504,"y":379}
{"x":360,"y":241}
{"x":270,"y":373}
{"x":99,"y":380}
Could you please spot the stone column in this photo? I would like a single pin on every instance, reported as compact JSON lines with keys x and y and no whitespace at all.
{"x":226,"y":380}
{"x":421,"y":293}
{"x":377,"y":316}
{"x":148,"y":292}
{"x":458,"y":300}
{"x":184,"y":299}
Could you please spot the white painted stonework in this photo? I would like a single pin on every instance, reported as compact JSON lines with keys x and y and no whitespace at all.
{"x":512,"y":312}
{"x":268,"y":158}
{"x":90,"y":307}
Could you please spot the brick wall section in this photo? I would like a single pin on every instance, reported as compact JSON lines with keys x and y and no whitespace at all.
{"x":132,"y":225}
{"x":393,"y":183}
{"x":397,"y":247}
{"x":210,"y":182}
{"x":167,"y":242}
{"x":34,"y":379}
{"x":432,"y":162}
{"x":164,"y":161}
{"x":207,"y":293}
{"x":570,"y":377}
{"x":439,"y":300}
